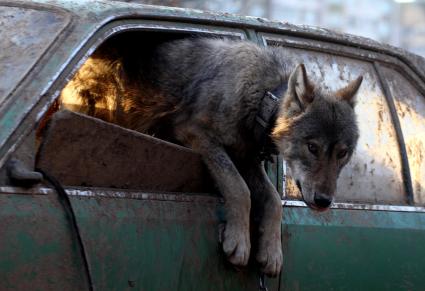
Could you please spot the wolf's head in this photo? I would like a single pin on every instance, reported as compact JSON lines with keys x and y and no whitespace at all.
{"x":316,"y":132}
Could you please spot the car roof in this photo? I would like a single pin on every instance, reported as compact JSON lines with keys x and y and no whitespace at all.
{"x":100,"y":12}
{"x":96,"y":13}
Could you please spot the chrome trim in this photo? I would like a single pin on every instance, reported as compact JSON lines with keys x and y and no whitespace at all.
{"x":37,"y":190}
{"x":196,"y":197}
{"x":115,"y":193}
{"x":169,"y":26}
{"x":138,"y":195}
{"x":359,"y":206}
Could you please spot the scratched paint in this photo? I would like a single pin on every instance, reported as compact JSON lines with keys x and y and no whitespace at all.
{"x":305,"y":253}
{"x":149,"y":241}
{"x":352,"y":250}
{"x":20,"y":51}
{"x":374,"y":172}
{"x":410,"y":106}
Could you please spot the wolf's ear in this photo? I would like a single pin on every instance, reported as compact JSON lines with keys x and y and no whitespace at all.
{"x":348,"y":92}
{"x":300,"y":87}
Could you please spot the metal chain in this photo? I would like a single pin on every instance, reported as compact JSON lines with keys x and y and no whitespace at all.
{"x":262,"y":286}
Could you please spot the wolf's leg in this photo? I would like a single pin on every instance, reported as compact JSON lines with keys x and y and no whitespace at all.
{"x":267,"y":200}
{"x":236,"y":242}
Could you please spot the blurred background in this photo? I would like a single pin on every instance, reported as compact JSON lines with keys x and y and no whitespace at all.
{"x":397,"y":22}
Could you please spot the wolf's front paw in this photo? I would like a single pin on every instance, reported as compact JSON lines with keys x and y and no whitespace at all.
{"x":270,"y":256}
{"x":236,"y":244}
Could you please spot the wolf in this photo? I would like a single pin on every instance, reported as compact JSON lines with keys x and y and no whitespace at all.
{"x":233,"y":102}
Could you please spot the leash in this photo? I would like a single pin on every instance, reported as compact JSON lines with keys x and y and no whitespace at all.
{"x":262,"y":285}
{"x":66,"y":203}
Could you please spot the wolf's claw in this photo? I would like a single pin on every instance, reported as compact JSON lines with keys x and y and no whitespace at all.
{"x":236,"y":245}
{"x":270,"y":257}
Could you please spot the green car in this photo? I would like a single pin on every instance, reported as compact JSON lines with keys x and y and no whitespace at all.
{"x":153,"y":223}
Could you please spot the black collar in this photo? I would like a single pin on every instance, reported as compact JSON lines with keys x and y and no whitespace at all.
{"x":265,"y":121}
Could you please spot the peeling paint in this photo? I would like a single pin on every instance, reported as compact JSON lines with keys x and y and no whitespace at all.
{"x":20,"y":51}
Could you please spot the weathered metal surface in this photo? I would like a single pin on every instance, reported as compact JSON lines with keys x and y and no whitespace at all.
{"x":145,"y":241}
{"x":331,"y":249}
{"x":37,"y":250}
{"x":374,"y":172}
{"x":405,"y":169}
{"x":79,"y":150}
{"x":410,"y":105}
{"x":343,"y":50}
{"x":14,"y":110}
{"x":353,"y":250}
{"x":129,"y":194}
{"x":120,"y":10}
{"x":89,"y":16}
{"x":25,"y":153}
{"x":25,"y":34}
{"x":35,"y":190}
{"x":168,"y":245}
{"x":20,"y":174}
{"x":360,"y":206}
{"x":274,"y":170}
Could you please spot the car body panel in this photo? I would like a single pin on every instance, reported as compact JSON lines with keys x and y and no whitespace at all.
{"x":169,"y":243}
{"x":37,"y":250}
{"x":163,"y":241}
{"x":147,"y":241}
{"x":410,"y":106}
{"x":346,"y":249}
{"x":38,"y":29}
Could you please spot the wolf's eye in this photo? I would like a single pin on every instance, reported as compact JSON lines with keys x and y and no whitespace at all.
{"x":341,"y":154}
{"x":314,"y":149}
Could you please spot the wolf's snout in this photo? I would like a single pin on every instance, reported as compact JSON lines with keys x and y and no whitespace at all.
{"x":321,"y":200}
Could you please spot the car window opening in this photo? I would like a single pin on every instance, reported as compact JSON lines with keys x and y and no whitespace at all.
{"x":97,"y":90}
{"x":98,"y":87}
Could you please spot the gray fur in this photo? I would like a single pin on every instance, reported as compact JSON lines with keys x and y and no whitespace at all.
{"x":212,"y":89}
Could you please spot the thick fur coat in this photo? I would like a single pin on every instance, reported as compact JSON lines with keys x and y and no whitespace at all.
{"x":205,"y":94}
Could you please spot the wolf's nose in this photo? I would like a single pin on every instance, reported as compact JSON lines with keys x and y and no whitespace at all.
{"x":321,"y":200}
